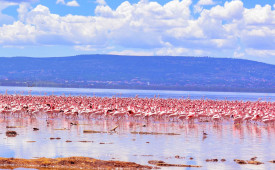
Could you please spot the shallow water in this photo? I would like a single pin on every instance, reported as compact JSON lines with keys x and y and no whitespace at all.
{"x":226,"y":141}
{"x":140,"y":93}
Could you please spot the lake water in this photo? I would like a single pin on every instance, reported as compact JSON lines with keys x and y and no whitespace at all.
{"x":140,"y":93}
{"x":225,"y":140}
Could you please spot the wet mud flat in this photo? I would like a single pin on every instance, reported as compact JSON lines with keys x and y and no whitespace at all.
{"x":68,"y":163}
{"x":135,"y":145}
{"x":91,"y":163}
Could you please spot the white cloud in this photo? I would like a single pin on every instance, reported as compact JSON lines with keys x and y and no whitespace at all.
{"x":101,"y":2}
{"x":72,"y":3}
{"x":4,"y":4}
{"x":104,"y":11}
{"x":238,"y":54}
{"x":17,"y":34}
{"x":259,"y":15}
{"x":170,"y":51}
{"x":60,"y":2}
{"x":260,"y":53}
{"x":23,"y":11}
{"x":149,"y":28}
{"x":5,"y":19}
{"x":230,"y":10}
{"x":206,"y":2}
{"x":85,"y":48}
{"x":259,"y":38}
{"x":199,"y":6}
{"x":165,"y":51}
{"x":132,"y":52}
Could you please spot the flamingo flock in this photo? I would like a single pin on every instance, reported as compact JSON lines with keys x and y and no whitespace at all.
{"x":138,"y":109}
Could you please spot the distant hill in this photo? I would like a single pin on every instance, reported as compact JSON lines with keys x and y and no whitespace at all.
{"x":139,"y":72}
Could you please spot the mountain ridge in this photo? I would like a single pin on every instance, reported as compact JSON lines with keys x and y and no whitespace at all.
{"x":156,"y":56}
{"x":139,"y":72}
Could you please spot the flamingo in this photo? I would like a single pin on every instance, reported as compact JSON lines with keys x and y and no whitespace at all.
{"x":216,"y":118}
{"x":149,"y":109}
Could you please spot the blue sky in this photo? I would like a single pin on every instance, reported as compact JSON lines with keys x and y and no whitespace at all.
{"x":217,"y":28}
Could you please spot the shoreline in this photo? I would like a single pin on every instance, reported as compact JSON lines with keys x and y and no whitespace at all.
{"x":261,"y":91}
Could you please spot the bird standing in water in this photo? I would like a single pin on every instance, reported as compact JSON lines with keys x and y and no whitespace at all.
{"x":204,"y":135}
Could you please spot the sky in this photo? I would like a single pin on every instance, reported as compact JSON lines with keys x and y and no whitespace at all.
{"x":242,"y":29}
